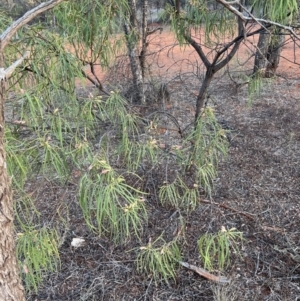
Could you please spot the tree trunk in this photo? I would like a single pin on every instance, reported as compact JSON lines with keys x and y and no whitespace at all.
{"x":132,"y":39}
{"x":144,"y":37}
{"x":11,"y":288}
{"x":203,"y":92}
{"x":274,"y":51}
{"x":260,"y":61}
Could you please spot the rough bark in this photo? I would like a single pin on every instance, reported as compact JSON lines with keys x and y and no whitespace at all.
{"x":132,"y":38}
{"x":144,"y":37}
{"x":11,"y":288}
{"x":203,"y":92}
{"x":274,"y":51}
{"x":260,"y":60}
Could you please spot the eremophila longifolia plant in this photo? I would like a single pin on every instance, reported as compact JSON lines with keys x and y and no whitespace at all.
{"x":215,"y":248}
{"x":55,"y":128}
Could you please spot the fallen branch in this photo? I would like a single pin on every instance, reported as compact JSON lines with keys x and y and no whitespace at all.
{"x":204,"y":273}
{"x":249,"y":215}
{"x":273,"y":228}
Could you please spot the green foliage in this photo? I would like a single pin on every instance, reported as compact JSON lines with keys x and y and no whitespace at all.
{"x":87,"y":25}
{"x":37,"y":248}
{"x":159,"y":259}
{"x":37,"y":251}
{"x":25,"y":211}
{"x":278,"y":10}
{"x":16,"y":158}
{"x":256,"y":85}
{"x":110,"y":205}
{"x":53,"y":132}
{"x":56,"y":129}
{"x":208,"y":144}
{"x":197,"y":159}
{"x":179,"y":195}
{"x":130,"y":147}
{"x":215,"y":249}
{"x":5,"y":20}
{"x":217,"y":23}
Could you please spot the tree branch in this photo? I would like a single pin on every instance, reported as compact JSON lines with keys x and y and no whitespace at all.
{"x":198,"y":49}
{"x":228,"y":5}
{"x":6,"y":73}
{"x":242,"y":32}
{"x":27,"y":17}
{"x":228,"y":58}
{"x":94,"y":82}
{"x":99,"y":86}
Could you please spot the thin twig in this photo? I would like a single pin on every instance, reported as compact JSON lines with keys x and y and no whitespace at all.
{"x":95,"y":83}
{"x":6,"y":73}
{"x":204,"y":273}
{"x":260,"y":21}
{"x":249,"y":215}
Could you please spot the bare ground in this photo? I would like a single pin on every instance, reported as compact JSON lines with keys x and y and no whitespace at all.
{"x":257,"y":192}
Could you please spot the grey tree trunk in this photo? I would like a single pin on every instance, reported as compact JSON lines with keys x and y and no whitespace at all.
{"x":11,"y":288}
{"x":274,"y":51}
{"x":267,"y":56}
{"x":144,"y":37}
{"x":260,"y":61}
{"x":132,"y":39}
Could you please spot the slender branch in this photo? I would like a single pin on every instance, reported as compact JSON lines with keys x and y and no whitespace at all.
{"x":248,"y":215}
{"x":269,"y":22}
{"x":100,"y":86}
{"x":228,"y":5}
{"x":228,"y":58}
{"x":252,"y":16}
{"x":27,"y":17}
{"x":198,"y":49}
{"x":94,"y":82}
{"x":242,"y":32}
{"x":204,"y":273}
{"x":6,"y":73}
{"x":241,"y":37}
{"x":41,"y":74}
{"x":149,"y":32}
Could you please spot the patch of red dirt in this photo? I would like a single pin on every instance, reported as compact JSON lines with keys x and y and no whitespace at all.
{"x":171,"y":58}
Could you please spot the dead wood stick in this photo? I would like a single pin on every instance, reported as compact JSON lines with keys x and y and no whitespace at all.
{"x":249,"y":215}
{"x":204,"y":273}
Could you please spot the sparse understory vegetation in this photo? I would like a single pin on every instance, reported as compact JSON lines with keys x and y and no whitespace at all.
{"x":155,"y":161}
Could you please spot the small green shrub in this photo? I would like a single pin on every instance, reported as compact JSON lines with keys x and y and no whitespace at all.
{"x":37,"y":251}
{"x":215,"y":249}
{"x":179,"y":195}
{"x":109,"y":205}
{"x":159,"y":259}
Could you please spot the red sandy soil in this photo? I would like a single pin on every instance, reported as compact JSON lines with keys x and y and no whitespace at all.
{"x":167,"y":57}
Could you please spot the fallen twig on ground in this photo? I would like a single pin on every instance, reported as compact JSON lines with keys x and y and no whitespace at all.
{"x":204,"y":273}
{"x":249,"y":215}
